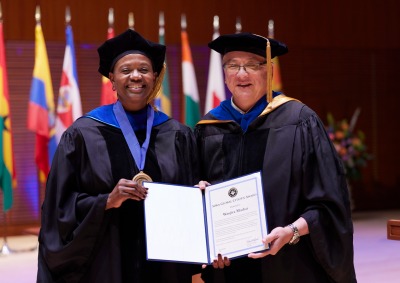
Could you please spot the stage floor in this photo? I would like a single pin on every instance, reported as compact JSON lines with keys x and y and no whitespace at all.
{"x":376,"y":258}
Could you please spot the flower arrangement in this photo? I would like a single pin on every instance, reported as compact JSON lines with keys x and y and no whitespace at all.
{"x":349,"y":144}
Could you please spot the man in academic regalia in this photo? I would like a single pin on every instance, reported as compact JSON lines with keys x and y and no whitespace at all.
{"x":307,"y":204}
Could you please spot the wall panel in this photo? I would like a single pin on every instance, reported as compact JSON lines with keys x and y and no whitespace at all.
{"x":342,"y":55}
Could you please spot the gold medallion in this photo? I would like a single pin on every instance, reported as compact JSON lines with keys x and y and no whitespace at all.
{"x":141,"y":177}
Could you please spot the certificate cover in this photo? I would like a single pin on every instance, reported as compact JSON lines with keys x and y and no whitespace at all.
{"x":186,"y":224}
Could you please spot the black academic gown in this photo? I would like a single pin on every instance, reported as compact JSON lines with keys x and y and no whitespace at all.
{"x":302,"y":177}
{"x":79,"y":240}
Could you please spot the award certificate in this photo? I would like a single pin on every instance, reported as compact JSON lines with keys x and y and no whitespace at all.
{"x":187,"y":224}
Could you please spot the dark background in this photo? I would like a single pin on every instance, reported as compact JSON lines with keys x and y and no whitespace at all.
{"x":342,"y":55}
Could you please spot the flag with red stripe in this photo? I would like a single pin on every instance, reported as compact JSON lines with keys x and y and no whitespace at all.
{"x":41,"y":110}
{"x":215,"y":87}
{"x":69,"y":107}
{"x":108,"y":95}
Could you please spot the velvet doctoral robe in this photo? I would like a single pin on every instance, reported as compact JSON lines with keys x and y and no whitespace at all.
{"x":79,"y":240}
{"x":302,"y":176}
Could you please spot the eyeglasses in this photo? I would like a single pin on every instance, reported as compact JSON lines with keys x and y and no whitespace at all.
{"x":249,"y":68}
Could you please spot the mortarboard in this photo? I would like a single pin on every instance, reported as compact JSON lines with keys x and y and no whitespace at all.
{"x":129,"y":42}
{"x":247,"y":42}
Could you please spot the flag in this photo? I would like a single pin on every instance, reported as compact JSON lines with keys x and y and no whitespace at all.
{"x":7,"y":167}
{"x":69,"y":106}
{"x":190,"y":90}
{"x":108,"y":95}
{"x":215,"y":87}
{"x":41,"y":114}
{"x":164,"y":101}
{"x":276,"y":78}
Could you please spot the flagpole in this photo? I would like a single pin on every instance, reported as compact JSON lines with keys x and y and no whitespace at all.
{"x":131,"y":21}
{"x":276,"y":78}
{"x":271,"y":28}
{"x":67,"y":16}
{"x":111,"y":18}
{"x":161,"y":23}
{"x":158,"y":99}
{"x":5,"y":249}
{"x":108,"y":95}
{"x":39,"y":184}
{"x":238,"y":25}
{"x":183,"y":30}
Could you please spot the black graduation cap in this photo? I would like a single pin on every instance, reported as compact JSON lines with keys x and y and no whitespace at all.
{"x":247,"y":42}
{"x":129,"y":42}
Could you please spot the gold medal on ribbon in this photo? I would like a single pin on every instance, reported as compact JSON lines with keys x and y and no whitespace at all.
{"x":141,"y":177}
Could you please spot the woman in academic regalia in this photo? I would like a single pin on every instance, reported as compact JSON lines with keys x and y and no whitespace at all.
{"x":92,"y":226}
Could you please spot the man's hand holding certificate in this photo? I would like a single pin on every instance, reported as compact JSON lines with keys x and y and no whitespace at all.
{"x":190,"y":225}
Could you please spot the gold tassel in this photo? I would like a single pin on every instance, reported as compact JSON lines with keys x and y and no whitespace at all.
{"x":269,"y":73}
{"x":157,"y":87}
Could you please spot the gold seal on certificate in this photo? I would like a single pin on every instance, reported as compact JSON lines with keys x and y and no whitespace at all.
{"x":141,"y":177}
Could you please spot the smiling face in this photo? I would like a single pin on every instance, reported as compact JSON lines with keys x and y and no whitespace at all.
{"x":133,"y":79}
{"x":247,"y":86}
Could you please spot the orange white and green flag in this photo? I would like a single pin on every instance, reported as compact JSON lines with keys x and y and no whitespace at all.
{"x":7,"y":168}
{"x":190,"y":90}
{"x":276,"y":78}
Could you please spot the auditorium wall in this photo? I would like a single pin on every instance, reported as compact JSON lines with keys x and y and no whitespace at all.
{"x":343,"y":55}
